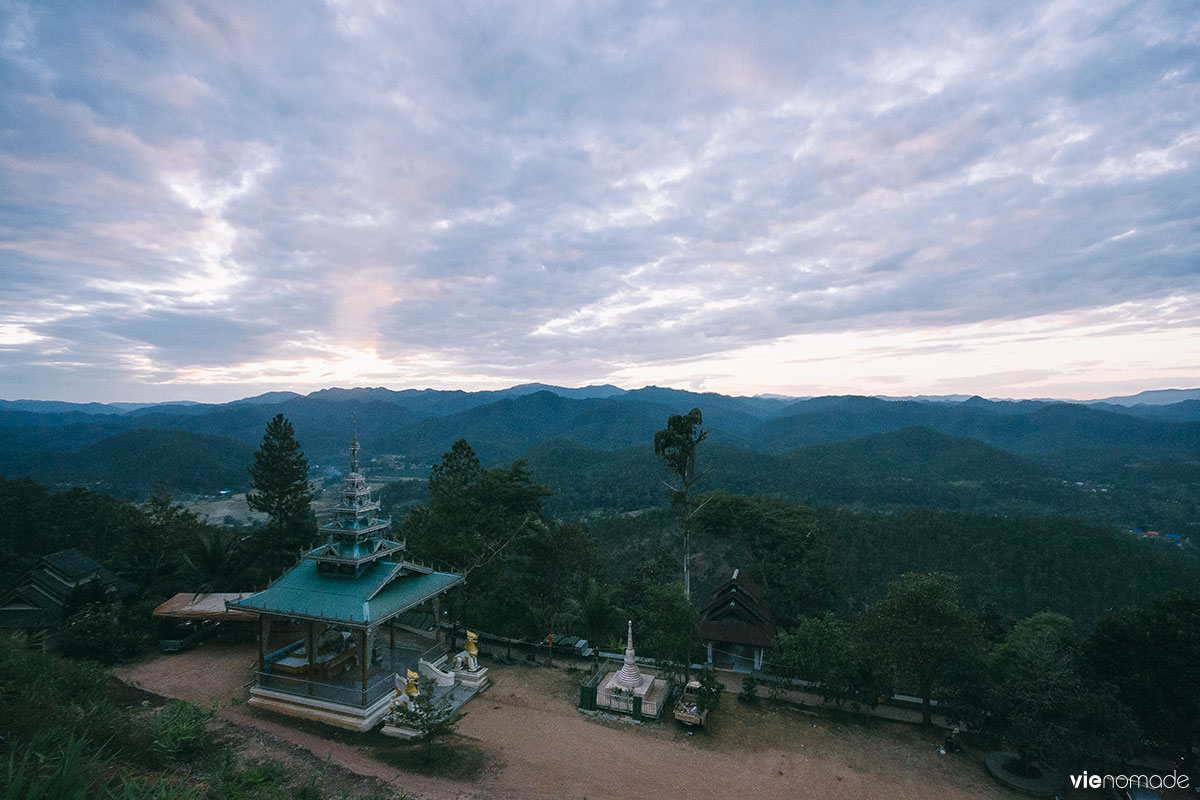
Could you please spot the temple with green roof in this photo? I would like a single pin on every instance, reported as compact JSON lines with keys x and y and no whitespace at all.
{"x":349,"y":599}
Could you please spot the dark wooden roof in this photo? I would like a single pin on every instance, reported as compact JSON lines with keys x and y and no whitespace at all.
{"x":44,"y":591}
{"x":75,"y":565}
{"x":737,"y":612}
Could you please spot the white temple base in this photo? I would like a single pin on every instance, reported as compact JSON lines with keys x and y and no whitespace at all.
{"x":476,"y":679}
{"x":348,"y":717}
{"x":400,"y":732}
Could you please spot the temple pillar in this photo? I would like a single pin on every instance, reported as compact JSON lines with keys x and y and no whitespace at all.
{"x":264,"y":641}
{"x":437,"y":618}
{"x":373,"y":643}
{"x":310,"y":647}
{"x":708,"y":646}
{"x":363,"y":656}
{"x":758,"y":658}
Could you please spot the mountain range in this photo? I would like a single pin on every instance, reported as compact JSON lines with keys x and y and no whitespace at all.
{"x":1133,"y":459}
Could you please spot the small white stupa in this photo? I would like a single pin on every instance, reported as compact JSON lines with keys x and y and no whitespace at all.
{"x":620,"y":687}
{"x":630,"y":677}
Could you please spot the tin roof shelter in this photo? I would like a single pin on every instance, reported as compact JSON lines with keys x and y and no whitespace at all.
{"x":202,"y":606}
{"x":340,"y":595}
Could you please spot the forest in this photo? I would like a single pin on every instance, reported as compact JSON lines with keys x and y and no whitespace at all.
{"x":933,"y":590}
{"x":1132,"y":466}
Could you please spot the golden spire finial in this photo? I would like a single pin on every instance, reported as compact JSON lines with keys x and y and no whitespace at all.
{"x":354,"y":446}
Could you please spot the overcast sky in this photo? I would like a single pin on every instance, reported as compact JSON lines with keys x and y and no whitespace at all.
{"x":210,"y":200}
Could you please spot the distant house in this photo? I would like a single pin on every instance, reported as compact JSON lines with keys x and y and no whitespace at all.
{"x":736,"y":624}
{"x":38,"y":602}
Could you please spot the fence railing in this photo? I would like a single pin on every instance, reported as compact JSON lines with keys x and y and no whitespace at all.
{"x":271,"y":658}
{"x":346,"y":695}
{"x":625,"y":704}
{"x":433,"y":653}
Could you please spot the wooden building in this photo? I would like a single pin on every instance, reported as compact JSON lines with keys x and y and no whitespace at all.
{"x":38,"y":603}
{"x":736,"y":624}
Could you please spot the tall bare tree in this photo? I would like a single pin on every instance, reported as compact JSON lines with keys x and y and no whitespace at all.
{"x":675,"y":446}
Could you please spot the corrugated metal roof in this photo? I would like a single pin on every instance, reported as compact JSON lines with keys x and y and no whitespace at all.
{"x":370,"y":597}
{"x":191,"y":605}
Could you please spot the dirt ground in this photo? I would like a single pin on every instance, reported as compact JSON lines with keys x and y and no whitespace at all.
{"x":539,"y":746}
{"x":216,"y":509}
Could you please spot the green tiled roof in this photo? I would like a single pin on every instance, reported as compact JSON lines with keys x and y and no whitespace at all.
{"x":370,"y":597}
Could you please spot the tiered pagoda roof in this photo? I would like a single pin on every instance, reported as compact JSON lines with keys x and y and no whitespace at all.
{"x":359,"y":576}
{"x":355,"y":537}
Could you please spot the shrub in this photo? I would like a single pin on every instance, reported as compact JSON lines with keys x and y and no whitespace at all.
{"x":48,"y":768}
{"x":180,"y":731}
{"x":259,"y":780}
{"x":710,"y":689}
{"x":749,"y":693}
{"x":97,"y":631}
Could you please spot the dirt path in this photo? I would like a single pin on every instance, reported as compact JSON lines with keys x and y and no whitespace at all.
{"x":542,"y":747}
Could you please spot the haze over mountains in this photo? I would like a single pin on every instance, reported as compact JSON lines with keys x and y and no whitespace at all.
{"x":1130,"y":460}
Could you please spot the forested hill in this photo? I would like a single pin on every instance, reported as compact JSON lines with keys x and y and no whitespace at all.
{"x":1027,"y":428}
{"x":909,"y":468}
{"x":1128,"y":464}
{"x":135,"y":462}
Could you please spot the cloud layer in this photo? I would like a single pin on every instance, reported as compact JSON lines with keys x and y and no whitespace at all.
{"x":208,"y":200}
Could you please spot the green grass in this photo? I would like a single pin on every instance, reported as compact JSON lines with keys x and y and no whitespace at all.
{"x":70,"y":731}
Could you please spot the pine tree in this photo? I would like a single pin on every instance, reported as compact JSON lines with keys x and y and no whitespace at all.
{"x":433,"y":717}
{"x":280,"y":487}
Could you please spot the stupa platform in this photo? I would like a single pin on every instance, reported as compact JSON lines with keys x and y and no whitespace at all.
{"x":628,"y":691}
{"x":653,"y":694}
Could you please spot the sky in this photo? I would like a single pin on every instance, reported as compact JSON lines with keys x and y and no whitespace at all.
{"x":206,"y":201}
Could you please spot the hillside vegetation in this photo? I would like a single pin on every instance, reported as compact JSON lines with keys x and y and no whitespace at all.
{"x":1129,"y":466}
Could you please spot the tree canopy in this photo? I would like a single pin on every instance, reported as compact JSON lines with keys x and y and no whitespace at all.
{"x":1150,"y":655}
{"x":1037,"y":701}
{"x":675,"y":446}
{"x":920,"y":629}
{"x":522,"y":568}
{"x":281,"y":489}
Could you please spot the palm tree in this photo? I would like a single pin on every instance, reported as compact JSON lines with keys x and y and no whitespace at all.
{"x":596,"y":614}
{"x":215,"y":563}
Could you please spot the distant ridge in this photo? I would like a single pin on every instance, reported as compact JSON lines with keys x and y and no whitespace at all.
{"x":929,"y":398}
{"x":58,"y":407}
{"x":582,"y":393}
{"x":268,"y":397}
{"x":1155,"y":397}
{"x":453,"y":400}
{"x":134,"y":462}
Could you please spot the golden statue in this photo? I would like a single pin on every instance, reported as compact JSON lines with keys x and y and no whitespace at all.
{"x":472,"y":647}
{"x":405,"y":698}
